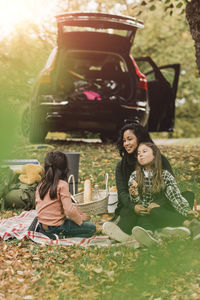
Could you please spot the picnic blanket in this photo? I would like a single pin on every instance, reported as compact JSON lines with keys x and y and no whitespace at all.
{"x":18,"y":227}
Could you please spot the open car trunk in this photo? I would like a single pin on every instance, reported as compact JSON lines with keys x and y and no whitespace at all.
{"x":92,"y":76}
{"x":93,"y":25}
{"x":94,"y":85}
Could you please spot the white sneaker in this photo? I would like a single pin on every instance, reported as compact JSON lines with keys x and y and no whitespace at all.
{"x":196,"y":237}
{"x":115,"y":233}
{"x":181,"y":232}
{"x":144,"y":236}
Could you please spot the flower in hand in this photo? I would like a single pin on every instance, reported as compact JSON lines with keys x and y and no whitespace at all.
{"x":133,"y":189}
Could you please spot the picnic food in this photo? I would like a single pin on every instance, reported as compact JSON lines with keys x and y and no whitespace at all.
{"x":133,"y":189}
{"x":87,"y":194}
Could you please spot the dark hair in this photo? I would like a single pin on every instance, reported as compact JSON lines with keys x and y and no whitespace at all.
{"x":157,"y":180}
{"x":55,"y":168}
{"x":140,"y":132}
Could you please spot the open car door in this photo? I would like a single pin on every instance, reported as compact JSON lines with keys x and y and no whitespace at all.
{"x":162,"y":88}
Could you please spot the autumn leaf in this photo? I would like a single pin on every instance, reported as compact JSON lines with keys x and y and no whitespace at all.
{"x":31,"y":271}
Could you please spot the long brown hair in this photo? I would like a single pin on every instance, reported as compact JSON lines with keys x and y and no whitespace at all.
{"x":56,"y":168}
{"x":156,"y":167}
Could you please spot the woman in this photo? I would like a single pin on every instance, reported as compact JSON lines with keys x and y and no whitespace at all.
{"x":131,"y":135}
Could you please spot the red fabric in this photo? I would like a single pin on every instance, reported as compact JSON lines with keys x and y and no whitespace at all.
{"x":92,"y":95}
{"x":17,"y":227}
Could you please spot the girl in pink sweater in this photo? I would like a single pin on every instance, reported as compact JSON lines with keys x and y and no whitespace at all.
{"x":55,"y":211}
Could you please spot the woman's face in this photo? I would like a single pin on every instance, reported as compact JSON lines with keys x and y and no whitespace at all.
{"x":145,"y":155}
{"x":130,"y":141}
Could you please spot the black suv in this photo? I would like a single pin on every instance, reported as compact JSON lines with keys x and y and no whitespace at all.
{"x":92,"y":84}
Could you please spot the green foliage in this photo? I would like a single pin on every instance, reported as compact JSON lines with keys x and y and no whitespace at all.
{"x":170,"y":6}
{"x":166,"y":39}
{"x":23,"y":55}
{"x":8,"y":121}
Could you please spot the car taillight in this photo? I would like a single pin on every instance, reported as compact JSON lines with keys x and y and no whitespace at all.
{"x":142,"y":84}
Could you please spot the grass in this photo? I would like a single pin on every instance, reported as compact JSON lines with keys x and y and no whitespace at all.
{"x":161,"y":273}
{"x":169,"y":271}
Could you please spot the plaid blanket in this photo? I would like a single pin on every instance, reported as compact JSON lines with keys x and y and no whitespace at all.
{"x":18,"y":227}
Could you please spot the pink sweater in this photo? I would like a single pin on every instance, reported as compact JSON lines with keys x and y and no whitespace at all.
{"x":54,"y":212}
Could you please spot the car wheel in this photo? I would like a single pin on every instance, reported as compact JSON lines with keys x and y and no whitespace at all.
{"x":37,"y":131}
{"x":25,"y":122}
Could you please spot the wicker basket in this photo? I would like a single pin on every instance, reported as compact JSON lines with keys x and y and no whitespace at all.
{"x":99,"y":205}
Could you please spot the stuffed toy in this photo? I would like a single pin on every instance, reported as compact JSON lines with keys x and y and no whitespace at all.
{"x":30,"y":173}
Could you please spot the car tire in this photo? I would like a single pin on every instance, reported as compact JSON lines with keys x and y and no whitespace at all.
{"x":25,"y":122}
{"x":38,"y":131}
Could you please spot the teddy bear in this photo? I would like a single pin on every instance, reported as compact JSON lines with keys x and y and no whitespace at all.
{"x":30,"y":173}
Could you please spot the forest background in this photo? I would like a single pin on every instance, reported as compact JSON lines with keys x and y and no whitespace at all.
{"x":25,"y":49}
{"x":32,"y":271}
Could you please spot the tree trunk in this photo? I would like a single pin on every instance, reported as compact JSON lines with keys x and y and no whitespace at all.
{"x":193,"y":18}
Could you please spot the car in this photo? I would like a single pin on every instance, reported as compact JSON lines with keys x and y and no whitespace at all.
{"x":91,"y":83}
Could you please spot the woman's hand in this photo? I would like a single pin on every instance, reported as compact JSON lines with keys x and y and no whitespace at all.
{"x":193,"y":214}
{"x":85,"y":217}
{"x":141,"y":210}
{"x":152,"y":205}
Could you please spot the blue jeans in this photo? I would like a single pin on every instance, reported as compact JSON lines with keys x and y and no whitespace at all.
{"x":71,"y":229}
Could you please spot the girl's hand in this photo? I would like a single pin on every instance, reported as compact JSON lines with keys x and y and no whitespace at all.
{"x":152,"y":205}
{"x":133,"y":191}
{"x":193,"y":214}
{"x":141,"y":210}
{"x":85,"y":217}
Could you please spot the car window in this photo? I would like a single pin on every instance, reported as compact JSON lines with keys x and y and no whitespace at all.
{"x":169,"y":74}
{"x":67,"y":28}
{"x":146,"y":69}
{"x":151,"y":76}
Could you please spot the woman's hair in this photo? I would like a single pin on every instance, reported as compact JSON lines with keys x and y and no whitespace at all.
{"x":139,"y":131}
{"x":56,"y":168}
{"x":157,"y":180}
